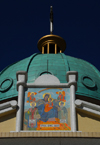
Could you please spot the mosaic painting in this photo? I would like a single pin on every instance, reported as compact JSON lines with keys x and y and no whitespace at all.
{"x":47,"y":109}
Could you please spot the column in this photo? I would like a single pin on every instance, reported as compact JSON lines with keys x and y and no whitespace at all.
{"x":21,"y":81}
{"x":48,"y":48}
{"x":72,"y":78}
{"x":55,"y":48}
{"x":42,"y":50}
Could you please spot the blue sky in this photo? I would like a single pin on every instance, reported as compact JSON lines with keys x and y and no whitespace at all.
{"x":24,"y":22}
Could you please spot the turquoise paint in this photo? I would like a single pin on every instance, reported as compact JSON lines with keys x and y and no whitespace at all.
{"x":58,"y":65}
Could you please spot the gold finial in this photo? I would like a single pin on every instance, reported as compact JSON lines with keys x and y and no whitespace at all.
{"x":51,"y":43}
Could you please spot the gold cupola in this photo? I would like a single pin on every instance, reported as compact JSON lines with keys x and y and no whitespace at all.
{"x":51,"y":43}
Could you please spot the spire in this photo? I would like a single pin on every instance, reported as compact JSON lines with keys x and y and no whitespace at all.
{"x":51,"y":43}
{"x":51,"y":19}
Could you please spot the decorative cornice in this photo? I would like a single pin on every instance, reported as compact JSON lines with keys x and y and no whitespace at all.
{"x":8,"y":106}
{"x":90,"y":107}
{"x":50,"y":134}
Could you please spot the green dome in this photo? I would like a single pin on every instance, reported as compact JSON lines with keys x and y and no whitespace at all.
{"x":55,"y":64}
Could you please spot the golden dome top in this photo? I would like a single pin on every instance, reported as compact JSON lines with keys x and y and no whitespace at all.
{"x":51,"y":44}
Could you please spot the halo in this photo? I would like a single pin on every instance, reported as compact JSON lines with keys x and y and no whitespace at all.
{"x":33,"y":93}
{"x":50,"y":98}
{"x":62,"y":92}
{"x":48,"y":94}
{"x":32,"y":103}
{"x":60,"y":103}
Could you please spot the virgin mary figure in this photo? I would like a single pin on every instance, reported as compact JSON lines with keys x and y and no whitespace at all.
{"x":47,"y":112}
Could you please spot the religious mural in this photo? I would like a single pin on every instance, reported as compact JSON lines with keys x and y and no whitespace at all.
{"x":47,"y":109}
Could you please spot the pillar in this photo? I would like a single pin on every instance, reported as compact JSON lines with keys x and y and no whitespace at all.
{"x":72,"y":77}
{"x":48,"y":48}
{"x":42,"y":50}
{"x":55,"y":48}
{"x":21,"y":81}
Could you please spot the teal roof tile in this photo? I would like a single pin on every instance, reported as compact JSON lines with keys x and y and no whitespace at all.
{"x":56,"y":64}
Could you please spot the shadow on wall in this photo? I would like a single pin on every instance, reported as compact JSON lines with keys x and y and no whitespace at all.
{"x":87,"y":122}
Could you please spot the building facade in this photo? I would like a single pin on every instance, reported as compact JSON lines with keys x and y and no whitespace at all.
{"x":49,"y":96}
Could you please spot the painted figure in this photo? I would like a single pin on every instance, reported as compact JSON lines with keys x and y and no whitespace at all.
{"x":30,"y":97}
{"x":49,"y":105}
{"x":61,"y":96}
{"x":62,"y":113}
{"x":33,"y":115}
{"x":47,"y":111}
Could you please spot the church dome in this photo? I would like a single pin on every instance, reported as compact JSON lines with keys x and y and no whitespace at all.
{"x":54,"y":64}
